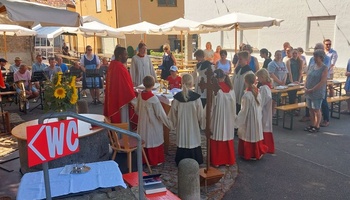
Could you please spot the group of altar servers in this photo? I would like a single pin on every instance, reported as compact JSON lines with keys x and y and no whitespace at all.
{"x":187,"y":116}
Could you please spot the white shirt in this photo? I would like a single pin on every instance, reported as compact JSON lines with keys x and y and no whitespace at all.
{"x":266,"y":104}
{"x":223,"y":116}
{"x":249,"y":119}
{"x":187,"y":118}
{"x":151,"y":118}
{"x":141,"y":67}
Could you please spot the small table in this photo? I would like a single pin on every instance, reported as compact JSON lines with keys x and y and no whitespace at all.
{"x":104,"y":174}
{"x":93,"y":142}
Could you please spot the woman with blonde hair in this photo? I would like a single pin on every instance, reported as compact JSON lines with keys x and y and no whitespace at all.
{"x":168,"y":61}
{"x":208,"y":52}
{"x":187,"y":117}
{"x":217,"y":54}
{"x":249,"y":122}
{"x":266,"y":106}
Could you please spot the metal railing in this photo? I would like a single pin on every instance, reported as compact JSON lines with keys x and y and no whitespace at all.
{"x":100,"y":124}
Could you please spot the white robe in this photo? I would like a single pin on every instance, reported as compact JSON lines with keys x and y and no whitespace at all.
{"x":151,"y":118}
{"x":266,"y":104}
{"x":249,"y":119}
{"x":223,"y":116}
{"x":141,"y":67}
{"x":238,"y":85}
{"x":187,"y":118}
{"x":197,"y":76}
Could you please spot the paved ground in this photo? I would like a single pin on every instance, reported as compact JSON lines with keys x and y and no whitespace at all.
{"x":305,"y":166}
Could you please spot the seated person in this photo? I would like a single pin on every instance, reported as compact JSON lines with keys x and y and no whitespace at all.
{"x":77,"y":71}
{"x":65,"y":49}
{"x":4,"y":87}
{"x":174,"y":79}
{"x":14,"y":68}
{"x":24,"y":75}
{"x":62,"y":65}
{"x":52,"y":69}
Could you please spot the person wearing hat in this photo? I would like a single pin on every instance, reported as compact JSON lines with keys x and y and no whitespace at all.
{"x":174,"y":79}
{"x":15,"y":67}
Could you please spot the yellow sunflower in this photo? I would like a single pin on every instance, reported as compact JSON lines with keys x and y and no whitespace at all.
{"x":72,"y":83}
{"x":74,"y":99}
{"x":59,"y":78}
{"x":60,"y":93}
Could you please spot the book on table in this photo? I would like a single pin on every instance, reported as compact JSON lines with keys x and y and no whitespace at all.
{"x":154,"y":188}
{"x":153,"y":184}
{"x":151,"y":179}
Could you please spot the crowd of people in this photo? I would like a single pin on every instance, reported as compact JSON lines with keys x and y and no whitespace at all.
{"x":237,"y":107}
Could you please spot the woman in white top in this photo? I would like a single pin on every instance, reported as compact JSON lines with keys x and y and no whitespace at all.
{"x":266,"y":106}
{"x":187,"y":117}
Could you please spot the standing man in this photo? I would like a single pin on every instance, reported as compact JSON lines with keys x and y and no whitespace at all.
{"x":119,"y":88}
{"x":284,"y":51}
{"x":333,"y":56}
{"x":141,"y":66}
{"x":15,"y":67}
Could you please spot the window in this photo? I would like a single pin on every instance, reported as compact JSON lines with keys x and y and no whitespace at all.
{"x":109,"y":5}
{"x":98,"y":5}
{"x":318,"y":29}
{"x":167,"y":3}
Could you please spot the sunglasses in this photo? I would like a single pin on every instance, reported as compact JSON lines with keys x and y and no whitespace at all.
{"x":89,"y":49}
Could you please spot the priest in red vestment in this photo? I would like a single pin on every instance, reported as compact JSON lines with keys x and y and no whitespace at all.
{"x":119,"y":88}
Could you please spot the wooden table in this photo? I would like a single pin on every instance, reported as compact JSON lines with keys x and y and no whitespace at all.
{"x":93,"y":144}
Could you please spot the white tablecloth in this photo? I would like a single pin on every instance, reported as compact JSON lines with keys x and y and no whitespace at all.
{"x":102,"y":175}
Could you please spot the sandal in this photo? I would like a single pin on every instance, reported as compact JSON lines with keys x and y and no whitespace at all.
{"x":308,"y":128}
{"x":314,"y":130}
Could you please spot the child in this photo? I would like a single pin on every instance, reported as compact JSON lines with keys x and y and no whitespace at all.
{"x":266,"y":106}
{"x":187,"y":116}
{"x":150,"y":125}
{"x":238,"y":78}
{"x":174,"y":79}
{"x":222,"y":151}
{"x":249,"y":122}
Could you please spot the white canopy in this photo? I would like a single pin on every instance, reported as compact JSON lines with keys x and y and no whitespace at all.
{"x":139,"y":28}
{"x":100,"y":29}
{"x":11,"y":30}
{"x":177,"y":27}
{"x":240,"y":21}
{"x":52,"y":32}
{"x":28,"y":13}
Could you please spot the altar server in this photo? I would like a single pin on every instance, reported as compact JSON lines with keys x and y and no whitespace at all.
{"x":249,"y":122}
{"x":187,"y":117}
{"x":222,"y":151}
{"x":151,"y":119}
{"x":266,"y":106}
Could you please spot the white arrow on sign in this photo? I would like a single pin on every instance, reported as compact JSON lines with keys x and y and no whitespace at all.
{"x":30,"y":145}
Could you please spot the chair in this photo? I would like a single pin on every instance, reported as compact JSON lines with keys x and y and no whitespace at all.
{"x":124,"y":144}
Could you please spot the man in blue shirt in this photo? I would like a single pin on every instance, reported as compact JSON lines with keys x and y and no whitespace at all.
{"x":62,"y":65}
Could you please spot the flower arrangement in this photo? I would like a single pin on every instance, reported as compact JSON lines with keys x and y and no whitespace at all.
{"x":60,"y":93}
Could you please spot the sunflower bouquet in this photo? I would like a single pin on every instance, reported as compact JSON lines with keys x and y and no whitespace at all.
{"x":60,"y":93}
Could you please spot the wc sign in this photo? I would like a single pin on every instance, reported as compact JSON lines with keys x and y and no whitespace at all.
{"x":51,"y":141}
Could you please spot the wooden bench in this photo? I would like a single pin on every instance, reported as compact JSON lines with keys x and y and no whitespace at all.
{"x":335,"y":105}
{"x":289,"y":110}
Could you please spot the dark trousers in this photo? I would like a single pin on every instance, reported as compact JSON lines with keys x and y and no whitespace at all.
{"x":204,"y":102}
{"x":292,"y":96}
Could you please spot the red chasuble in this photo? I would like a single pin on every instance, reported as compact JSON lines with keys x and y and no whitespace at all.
{"x":2,"y":82}
{"x":119,"y":90}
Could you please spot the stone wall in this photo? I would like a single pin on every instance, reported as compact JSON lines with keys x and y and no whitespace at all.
{"x":17,"y":46}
